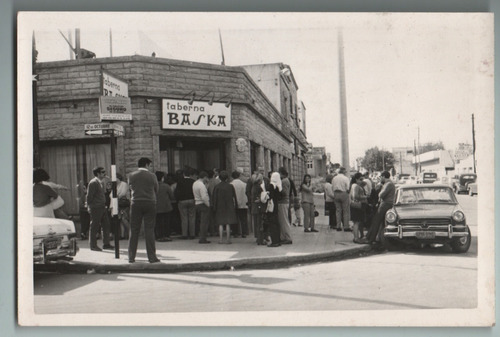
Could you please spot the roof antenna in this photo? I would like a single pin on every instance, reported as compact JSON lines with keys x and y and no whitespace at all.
{"x":221,"y":49}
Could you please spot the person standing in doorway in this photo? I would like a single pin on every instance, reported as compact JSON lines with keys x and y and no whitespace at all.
{"x":185,"y":202}
{"x":143,"y":190}
{"x":202,"y":205}
{"x":163,"y":209}
{"x":341,"y":190}
{"x":224,"y":204}
{"x":96,"y":203}
{"x":242,"y":209}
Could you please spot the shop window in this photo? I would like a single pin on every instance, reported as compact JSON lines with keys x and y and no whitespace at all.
{"x":71,"y":165}
{"x":310,"y":164}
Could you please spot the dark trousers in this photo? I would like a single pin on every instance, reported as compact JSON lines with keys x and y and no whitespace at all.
{"x":99,"y":219}
{"x":203,"y":216}
{"x":332,"y":214}
{"x":378,"y":220}
{"x":273,"y":225}
{"x":140,"y":210}
{"x":175,"y":221}
{"x":242,"y":226}
{"x":84,"y":221}
{"x":162,"y":225}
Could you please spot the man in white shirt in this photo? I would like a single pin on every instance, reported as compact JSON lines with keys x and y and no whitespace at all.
{"x":242,"y":210}
{"x":341,"y":185}
{"x":202,"y":204}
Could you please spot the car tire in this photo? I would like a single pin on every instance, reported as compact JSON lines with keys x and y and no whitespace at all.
{"x":389,"y":243}
{"x":461,"y":245}
{"x":470,"y":192}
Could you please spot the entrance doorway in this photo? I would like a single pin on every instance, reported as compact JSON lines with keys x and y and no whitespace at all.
{"x":199,"y":153}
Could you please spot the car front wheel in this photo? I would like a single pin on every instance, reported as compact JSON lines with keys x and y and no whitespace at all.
{"x":389,"y":243}
{"x":462,"y":244}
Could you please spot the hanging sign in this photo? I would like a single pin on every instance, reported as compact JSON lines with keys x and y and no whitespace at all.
{"x":115,"y":108}
{"x":180,"y":115}
{"x":112,"y":86}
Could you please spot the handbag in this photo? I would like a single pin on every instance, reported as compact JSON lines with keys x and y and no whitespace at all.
{"x":356,"y":204}
{"x":270,"y":206}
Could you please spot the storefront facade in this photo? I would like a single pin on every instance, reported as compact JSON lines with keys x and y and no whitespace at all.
{"x":183,"y":114}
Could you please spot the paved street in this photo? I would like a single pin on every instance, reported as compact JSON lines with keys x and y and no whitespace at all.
{"x":410,"y":279}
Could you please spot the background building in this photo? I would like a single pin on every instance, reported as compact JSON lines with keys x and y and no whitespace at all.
{"x":183,"y":113}
{"x":439,"y":161}
{"x":317,"y":161}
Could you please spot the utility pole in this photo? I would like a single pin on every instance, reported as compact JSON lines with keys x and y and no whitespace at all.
{"x":77,"y":43}
{"x":419,"y":163}
{"x":110,"y":43}
{"x":473,"y":144}
{"x":343,"y":105}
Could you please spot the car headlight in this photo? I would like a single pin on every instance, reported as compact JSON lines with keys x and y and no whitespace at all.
{"x":390,"y":217}
{"x":458,"y":216}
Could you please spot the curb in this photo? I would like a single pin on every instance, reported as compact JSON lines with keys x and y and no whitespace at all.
{"x":244,"y":263}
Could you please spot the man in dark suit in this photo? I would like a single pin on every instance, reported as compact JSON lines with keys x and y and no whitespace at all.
{"x":96,"y":203}
{"x":143,"y":189}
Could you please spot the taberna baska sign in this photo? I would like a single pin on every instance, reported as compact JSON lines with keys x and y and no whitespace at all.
{"x":180,"y":115}
{"x":113,"y":86}
{"x":115,"y":108}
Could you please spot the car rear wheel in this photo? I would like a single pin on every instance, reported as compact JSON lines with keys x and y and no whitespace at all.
{"x":470,"y":192}
{"x":461,"y":245}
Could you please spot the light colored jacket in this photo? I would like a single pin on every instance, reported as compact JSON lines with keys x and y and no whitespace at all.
{"x":241,"y":196}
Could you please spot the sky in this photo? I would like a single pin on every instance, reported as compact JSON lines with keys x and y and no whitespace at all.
{"x":409,"y":77}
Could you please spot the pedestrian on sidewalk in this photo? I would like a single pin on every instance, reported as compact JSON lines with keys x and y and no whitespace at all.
{"x":143,"y":189}
{"x":224,"y":204}
{"x":341,"y":190}
{"x":123,"y":195}
{"x":284,"y":207}
{"x":202,"y":205}
{"x":358,"y":206}
{"x":96,"y":203}
{"x":386,"y":201}
{"x":163,"y":209}
{"x":307,"y":196}
{"x":330,"y":202}
{"x":271,"y":197}
{"x":242,"y":209}
{"x":83,"y":211}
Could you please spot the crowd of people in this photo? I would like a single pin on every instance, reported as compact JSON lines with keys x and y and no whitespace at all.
{"x":209,"y":203}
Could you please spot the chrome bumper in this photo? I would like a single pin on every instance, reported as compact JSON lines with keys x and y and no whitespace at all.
{"x":449,"y":233}
{"x":68,"y":249}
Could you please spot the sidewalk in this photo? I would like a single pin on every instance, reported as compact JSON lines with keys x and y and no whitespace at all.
{"x":188,"y":255}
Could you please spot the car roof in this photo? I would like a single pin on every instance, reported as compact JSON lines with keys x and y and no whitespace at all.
{"x":404,"y":187}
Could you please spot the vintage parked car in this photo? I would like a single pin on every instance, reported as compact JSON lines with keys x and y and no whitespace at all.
{"x":463,"y":181}
{"x":428,"y":214}
{"x":472,"y":188}
{"x":53,"y":239}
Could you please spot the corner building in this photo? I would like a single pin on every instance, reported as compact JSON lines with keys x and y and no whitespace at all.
{"x":183,"y":113}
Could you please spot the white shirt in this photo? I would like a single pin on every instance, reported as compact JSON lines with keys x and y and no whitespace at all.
{"x":200,"y":192}
{"x":341,"y":183}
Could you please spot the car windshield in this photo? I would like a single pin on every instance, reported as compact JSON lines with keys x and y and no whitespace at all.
{"x":425,"y":195}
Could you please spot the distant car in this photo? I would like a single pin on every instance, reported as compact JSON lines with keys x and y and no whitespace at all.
{"x":53,"y":239}
{"x":427,"y":177}
{"x":472,"y":188}
{"x":444,"y":181}
{"x":463,"y":181}
{"x":426,"y":213}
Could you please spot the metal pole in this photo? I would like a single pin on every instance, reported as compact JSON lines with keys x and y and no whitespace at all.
{"x":115,"y":223}
{"x":110,"y":43}
{"x":473,"y":144}
{"x":77,"y":43}
{"x":343,"y":105}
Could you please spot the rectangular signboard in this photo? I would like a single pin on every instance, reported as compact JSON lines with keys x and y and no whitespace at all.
{"x":113,"y":86}
{"x":104,"y":126}
{"x":103,"y":132}
{"x":180,"y":115}
{"x":115,"y":108}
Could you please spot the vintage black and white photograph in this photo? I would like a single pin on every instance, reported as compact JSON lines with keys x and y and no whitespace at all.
{"x":255,"y":169}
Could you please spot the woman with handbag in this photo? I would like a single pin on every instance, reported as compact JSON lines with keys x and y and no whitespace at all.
{"x":357,"y":199}
{"x":270,"y":217}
